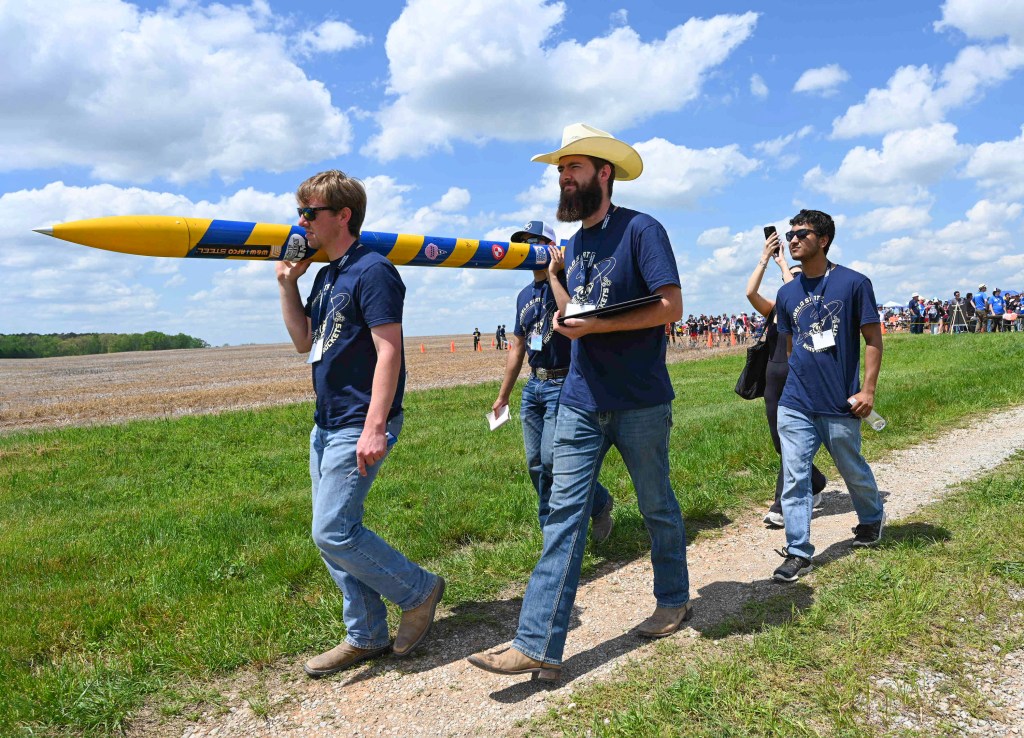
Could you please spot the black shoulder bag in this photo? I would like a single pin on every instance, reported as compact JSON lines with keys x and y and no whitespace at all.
{"x":751,"y":383}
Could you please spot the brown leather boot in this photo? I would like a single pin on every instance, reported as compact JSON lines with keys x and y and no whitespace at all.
{"x":416,"y":622}
{"x":341,"y":657}
{"x":665,"y":621}
{"x":514,"y":663}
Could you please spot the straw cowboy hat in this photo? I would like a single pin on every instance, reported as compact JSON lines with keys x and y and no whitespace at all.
{"x":583,"y":140}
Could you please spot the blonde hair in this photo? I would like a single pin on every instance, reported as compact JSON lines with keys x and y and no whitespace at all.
{"x":337,"y":191}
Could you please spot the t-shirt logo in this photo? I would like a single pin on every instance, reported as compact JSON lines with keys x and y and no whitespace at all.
{"x":812,"y":315}
{"x":536,"y":319}
{"x":335,"y":318}
{"x":594,"y":291}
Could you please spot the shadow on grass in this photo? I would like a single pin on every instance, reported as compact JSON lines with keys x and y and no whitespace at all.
{"x":471,"y":627}
{"x":767,"y":604}
{"x":721,"y":609}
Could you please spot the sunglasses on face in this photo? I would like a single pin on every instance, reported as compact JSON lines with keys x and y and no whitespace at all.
{"x":310,"y":213}
{"x":536,"y":240}
{"x":800,"y":234}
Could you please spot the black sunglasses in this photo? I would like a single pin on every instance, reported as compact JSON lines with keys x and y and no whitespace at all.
{"x":537,"y":239}
{"x":310,"y":213}
{"x":800,"y":235}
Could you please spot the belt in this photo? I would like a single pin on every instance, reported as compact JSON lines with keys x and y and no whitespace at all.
{"x":551,"y":373}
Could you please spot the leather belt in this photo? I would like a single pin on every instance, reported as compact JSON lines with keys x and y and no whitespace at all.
{"x":551,"y":373}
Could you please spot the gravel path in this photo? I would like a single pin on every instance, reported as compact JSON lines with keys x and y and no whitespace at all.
{"x":437,"y":693}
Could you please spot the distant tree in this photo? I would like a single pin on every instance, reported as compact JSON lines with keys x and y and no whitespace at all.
{"x":37,"y":346}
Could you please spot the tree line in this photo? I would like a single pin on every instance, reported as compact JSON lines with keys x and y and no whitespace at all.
{"x":39,"y":346}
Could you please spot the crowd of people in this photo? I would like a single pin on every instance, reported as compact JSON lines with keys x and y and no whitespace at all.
{"x":595,"y":383}
{"x":979,"y":312}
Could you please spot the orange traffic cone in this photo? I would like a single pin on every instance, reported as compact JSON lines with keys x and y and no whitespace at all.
{"x":453,"y":347}
{"x":883,"y":328}
{"x":423,"y":349}
{"x":732,"y":339}
{"x":711,"y":339}
{"x":492,"y":343}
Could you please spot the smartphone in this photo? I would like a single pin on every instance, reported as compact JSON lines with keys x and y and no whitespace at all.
{"x":768,"y":231}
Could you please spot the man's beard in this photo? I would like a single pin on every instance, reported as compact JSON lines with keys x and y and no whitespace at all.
{"x":582,"y":203}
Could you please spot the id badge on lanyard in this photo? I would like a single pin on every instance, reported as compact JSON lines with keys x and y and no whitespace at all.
{"x":820,"y":339}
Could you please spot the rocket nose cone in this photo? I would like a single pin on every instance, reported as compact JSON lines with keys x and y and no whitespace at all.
{"x":44,"y":231}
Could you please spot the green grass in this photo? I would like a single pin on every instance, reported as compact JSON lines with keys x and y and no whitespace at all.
{"x":140,"y":555}
{"x":934,"y":598}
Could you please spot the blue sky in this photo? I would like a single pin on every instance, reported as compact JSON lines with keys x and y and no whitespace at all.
{"x":903,"y":120}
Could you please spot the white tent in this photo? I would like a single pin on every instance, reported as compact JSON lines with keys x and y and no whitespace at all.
{"x":893,"y":304}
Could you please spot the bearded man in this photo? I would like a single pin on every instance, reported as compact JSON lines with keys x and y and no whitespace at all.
{"x":617,"y":393}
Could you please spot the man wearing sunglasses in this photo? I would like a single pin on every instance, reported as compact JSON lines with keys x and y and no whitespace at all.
{"x":351,"y":326}
{"x":547,"y":351}
{"x":824,"y":313}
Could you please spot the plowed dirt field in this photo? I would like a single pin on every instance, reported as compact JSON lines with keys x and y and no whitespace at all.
{"x":111,"y":388}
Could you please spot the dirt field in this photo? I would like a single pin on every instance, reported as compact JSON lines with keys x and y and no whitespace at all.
{"x":111,"y":388}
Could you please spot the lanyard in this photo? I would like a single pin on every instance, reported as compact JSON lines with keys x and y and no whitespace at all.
{"x":327,"y":289}
{"x":587,"y":268}
{"x":814,"y":293}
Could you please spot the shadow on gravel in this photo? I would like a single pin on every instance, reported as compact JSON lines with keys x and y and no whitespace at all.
{"x":837,"y":502}
{"x":767,"y":603}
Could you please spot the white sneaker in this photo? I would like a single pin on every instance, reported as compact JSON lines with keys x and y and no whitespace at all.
{"x":774,"y":519}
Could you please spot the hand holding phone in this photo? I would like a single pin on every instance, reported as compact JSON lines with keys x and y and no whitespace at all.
{"x":769,"y":231}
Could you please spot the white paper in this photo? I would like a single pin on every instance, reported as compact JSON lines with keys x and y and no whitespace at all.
{"x":574,"y":309}
{"x":499,"y":420}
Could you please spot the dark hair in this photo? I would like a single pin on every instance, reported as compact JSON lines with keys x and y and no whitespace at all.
{"x":598,"y":163}
{"x":821,"y":223}
{"x":338,"y":191}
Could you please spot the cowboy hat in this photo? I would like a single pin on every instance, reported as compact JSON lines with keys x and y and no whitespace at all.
{"x":583,"y":140}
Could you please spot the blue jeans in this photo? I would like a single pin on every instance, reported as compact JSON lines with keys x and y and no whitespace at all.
{"x":363,"y":565}
{"x":539,"y":411}
{"x":802,"y":436}
{"x":581,"y":441}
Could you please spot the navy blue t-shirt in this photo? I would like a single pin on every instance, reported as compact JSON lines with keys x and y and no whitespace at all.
{"x":535,"y":310}
{"x":631,"y":257}
{"x":840,"y":302}
{"x":355,"y":293}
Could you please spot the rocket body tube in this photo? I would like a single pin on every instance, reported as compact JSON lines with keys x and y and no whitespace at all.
{"x":204,"y":238}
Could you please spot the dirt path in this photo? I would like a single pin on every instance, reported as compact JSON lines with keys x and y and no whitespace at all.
{"x":437,"y":693}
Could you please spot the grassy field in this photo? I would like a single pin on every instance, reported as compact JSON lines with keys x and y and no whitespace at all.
{"x":936,"y":600}
{"x":137,"y":556}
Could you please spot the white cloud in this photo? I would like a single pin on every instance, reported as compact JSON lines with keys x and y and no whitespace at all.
{"x":757,"y":86}
{"x":455,"y":199}
{"x":959,"y":255}
{"x":916,"y":97}
{"x":677,"y":177}
{"x":777,"y":148}
{"x":984,"y":19}
{"x":180,"y":93}
{"x":908,"y":163}
{"x":999,"y":166}
{"x":453,"y":78}
{"x":333,"y":36}
{"x":822,"y":81}
{"x":889,"y":220}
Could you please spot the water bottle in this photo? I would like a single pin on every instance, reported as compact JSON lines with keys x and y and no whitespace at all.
{"x":876,"y":421}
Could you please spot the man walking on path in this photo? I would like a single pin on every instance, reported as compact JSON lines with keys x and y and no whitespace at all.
{"x":824,"y":313}
{"x":534,"y":337}
{"x":617,"y":393}
{"x":351,"y":325}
